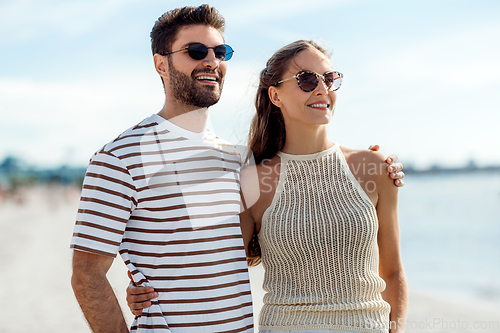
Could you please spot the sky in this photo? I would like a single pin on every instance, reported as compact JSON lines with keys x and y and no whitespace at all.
{"x":421,"y":78}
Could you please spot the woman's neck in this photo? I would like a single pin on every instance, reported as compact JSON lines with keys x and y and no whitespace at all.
{"x":302,"y":140}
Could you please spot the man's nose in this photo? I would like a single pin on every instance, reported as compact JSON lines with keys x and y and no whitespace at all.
{"x":210,"y":60}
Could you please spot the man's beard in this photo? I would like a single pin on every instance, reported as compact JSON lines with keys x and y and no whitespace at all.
{"x":185,"y":89}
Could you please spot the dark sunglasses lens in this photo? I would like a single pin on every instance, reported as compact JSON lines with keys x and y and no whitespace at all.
{"x":333,"y":80}
{"x":220,"y":52}
{"x":228,"y":52}
{"x":330,"y":80}
{"x":197,"y":51}
{"x":308,"y":82}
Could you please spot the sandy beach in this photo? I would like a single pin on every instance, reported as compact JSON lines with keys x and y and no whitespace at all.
{"x":36,"y":295}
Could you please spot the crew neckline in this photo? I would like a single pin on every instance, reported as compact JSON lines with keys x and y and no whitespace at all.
{"x":164,"y":123}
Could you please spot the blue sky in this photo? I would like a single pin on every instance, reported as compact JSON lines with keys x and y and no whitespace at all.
{"x":421,"y":78}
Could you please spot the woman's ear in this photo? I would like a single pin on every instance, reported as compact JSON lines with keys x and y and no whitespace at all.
{"x":161,"y":65}
{"x":274,"y":96}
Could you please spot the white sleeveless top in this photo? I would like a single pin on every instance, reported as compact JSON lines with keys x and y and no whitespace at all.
{"x":319,"y":249}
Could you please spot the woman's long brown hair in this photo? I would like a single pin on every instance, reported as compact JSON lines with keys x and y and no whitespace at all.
{"x":267,"y":131}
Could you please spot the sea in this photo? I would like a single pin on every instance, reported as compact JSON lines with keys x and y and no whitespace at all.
{"x":450,"y":235}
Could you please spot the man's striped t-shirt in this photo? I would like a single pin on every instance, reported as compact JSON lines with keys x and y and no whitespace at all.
{"x":167,"y":200}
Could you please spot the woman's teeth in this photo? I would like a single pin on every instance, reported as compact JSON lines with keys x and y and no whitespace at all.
{"x":319,"y":105}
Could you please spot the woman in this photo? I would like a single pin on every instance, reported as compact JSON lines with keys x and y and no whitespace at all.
{"x":325,"y":216}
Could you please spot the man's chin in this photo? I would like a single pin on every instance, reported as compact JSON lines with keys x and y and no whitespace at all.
{"x":206,"y":100}
{"x":205,"y":103}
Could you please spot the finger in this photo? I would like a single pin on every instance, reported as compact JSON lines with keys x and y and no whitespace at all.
{"x":374,"y":147}
{"x":391,"y":158}
{"x":399,"y":182}
{"x":134,"y":290}
{"x":141,"y":297}
{"x":396,"y":167}
{"x":139,"y":306}
{"x":397,"y":175}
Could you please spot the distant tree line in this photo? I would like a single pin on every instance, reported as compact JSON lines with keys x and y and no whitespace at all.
{"x":15,"y":173}
{"x":470,"y":167}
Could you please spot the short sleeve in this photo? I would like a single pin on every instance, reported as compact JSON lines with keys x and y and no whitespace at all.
{"x":107,"y":201}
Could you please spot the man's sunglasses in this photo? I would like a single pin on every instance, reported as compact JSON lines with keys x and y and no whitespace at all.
{"x":198,"y":51}
{"x":308,"y":81}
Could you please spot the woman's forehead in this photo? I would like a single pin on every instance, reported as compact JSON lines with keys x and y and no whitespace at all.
{"x":311,"y":60}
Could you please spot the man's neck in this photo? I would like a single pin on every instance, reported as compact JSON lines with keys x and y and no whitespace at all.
{"x":189,"y":117}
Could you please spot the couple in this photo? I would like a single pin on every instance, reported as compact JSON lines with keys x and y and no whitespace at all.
{"x":165,"y":194}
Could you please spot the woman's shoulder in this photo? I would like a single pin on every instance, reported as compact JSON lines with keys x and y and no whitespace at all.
{"x":369,"y":168}
{"x":362,"y":156}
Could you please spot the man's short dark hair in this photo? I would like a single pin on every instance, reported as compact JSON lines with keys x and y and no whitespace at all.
{"x":168,"y":25}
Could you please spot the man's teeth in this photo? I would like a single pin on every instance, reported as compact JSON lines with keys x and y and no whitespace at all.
{"x":206,"y":78}
{"x":319,"y":105}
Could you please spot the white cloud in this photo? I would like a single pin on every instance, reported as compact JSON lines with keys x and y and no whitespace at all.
{"x":65,"y":122}
{"x":462,"y":60}
{"x":42,"y":121}
{"x":245,"y":13}
{"x":23,"y":20}
{"x":432,"y":101}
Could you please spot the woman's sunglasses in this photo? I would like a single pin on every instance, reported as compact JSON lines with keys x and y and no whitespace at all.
{"x":308,"y":81}
{"x":198,"y":51}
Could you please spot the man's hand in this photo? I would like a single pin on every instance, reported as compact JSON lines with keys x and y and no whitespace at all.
{"x":394,"y":169}
{"x":138,"y":298}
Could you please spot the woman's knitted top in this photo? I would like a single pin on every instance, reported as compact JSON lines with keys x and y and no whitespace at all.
{"x":319,"y":249}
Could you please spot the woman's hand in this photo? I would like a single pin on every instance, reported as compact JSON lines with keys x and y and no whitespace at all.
{"x":139,"y":298}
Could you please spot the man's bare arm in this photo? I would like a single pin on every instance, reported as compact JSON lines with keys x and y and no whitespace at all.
{"x":94,"y":293}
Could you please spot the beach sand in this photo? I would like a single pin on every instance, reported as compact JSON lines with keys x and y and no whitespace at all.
{"x":35,"y":261}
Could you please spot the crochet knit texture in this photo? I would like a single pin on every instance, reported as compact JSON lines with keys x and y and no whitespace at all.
{"x":319,"y":250}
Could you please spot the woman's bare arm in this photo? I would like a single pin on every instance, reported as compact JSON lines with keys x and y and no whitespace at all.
{"x":391,"y":265}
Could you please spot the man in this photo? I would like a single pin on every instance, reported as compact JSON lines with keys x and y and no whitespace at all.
{"x":165,"y":195}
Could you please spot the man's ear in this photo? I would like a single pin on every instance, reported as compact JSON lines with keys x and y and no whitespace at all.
{"x":161,"y":65}
{"x":274,"y":96}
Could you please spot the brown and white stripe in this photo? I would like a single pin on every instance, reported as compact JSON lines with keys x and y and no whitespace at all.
{"x":167,"y":200}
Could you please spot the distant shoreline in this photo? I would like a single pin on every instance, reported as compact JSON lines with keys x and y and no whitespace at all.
{"x":15,"y":172}
{"x":435,"y":170}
